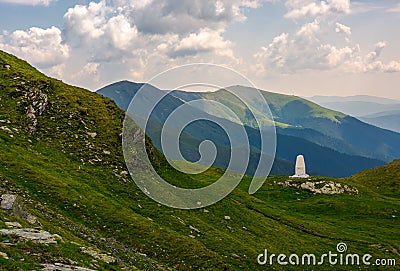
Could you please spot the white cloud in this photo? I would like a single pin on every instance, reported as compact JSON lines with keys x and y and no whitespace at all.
{"x":85,"y":22}
{"x":299,"y":51}
{"x":312,"y":8}
{"x":205,"y":41}
{"x":341,"y":28}
{"x":308,"y":49}
{"x":109,"y":32}
{"x":102,"y":31}
{"x":274,"y":54}
{"x":305,"y":50}
{"x":185,"y":16}
{"x":28,"y":2}
{"x":393,"y":66}
{"x":41,"y":47}
{"x":113,"y":38}
{"x":308,"y":32}
{"x":57,"y":71}
{"x":119,"y":32}
{"x":372,"y":62}
{"x":80,"y":73}
{"x":338,"y":56}
{"x":90,"y":68}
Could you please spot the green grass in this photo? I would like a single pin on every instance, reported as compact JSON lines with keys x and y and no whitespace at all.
{"x":280,"y":106}
{"x":76,"y":187}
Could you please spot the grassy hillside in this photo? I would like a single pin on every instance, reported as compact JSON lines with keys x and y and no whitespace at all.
{"x":381,"y":180}
{"x":65,"y":163}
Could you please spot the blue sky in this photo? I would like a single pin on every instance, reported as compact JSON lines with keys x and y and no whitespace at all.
{"x":301,"y":47}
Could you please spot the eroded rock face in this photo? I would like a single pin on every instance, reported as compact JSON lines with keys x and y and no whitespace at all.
{"x":63,"y":267}
{"x":38,"y":105}
{"x":34,"y":99}
{"x":34,"y":235}
{"x":7,"y":201}
{"x":13,"y":225}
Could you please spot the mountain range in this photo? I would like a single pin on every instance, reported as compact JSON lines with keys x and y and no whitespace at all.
{"x":68,"y":202}
{"x":377,"y":111}
{"x":333,"y":143}
{"x":355,"y":98}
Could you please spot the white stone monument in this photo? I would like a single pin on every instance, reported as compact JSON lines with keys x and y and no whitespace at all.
{"x":300,"y":169}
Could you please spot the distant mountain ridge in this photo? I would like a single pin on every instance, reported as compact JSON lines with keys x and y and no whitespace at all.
{"x":360,"y":108}
{"x":355,"y":98}
{"x":377,"y":111}
{"x":331,"y":137}
{"x":387,"y":120}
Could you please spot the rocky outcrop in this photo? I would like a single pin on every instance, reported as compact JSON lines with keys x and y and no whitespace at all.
{"x":34,"y":235}
{"x":34,"y":99}
{"x":13,"y":225}
{"x":14,"y":204}
{"x":38,"y":102}
{"x":4,"y":255}
{"x":98,"y":255}
{"x":7,"y":201}
{"x":321,"y":187}
{"x":63,"y":267}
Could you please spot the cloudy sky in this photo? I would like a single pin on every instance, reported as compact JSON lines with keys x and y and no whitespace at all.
{"x":302,"y":47}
